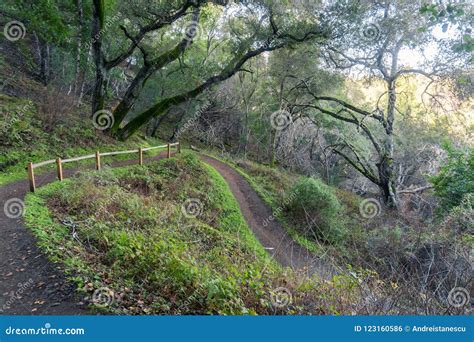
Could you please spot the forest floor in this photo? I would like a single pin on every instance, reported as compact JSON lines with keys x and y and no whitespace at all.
{"x":31,"y":284}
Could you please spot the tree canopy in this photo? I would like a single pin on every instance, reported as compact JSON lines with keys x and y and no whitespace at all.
{"x":347,"y":79}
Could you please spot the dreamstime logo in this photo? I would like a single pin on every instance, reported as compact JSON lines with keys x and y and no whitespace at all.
{"x":458,"y":297}
{"x":281,"y":297}
{"x":192,"y":207}
{"x":369,"y":208}
{"x":370,"y":32}
{"x":103,"y":297}
{"x":280,"y":119}
{"x":14,"y":30}
{"x":193,"y":31}
{"x":14,"y":208}
{"x":103,"y":119}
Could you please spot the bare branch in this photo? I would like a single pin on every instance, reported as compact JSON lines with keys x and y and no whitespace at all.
{"x":411,"y":191}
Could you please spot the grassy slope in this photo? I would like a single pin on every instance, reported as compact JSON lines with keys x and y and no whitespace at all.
{"x":133,"y":238}
{"x":143,"y":247}
{"x":234,"y":276}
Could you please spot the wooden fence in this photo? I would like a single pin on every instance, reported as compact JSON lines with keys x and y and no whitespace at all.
{"x":59,"y":162}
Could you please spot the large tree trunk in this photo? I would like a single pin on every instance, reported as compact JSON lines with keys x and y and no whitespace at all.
{"x":98,"y":97}
{"x":131,"y":95}
{"x":77,"y":86}
{"x":161,"y":108}
{"x":387,"y":175}
{"x":42,"y":49}
{"x":387,"y":183}
{"x":149,"y":68}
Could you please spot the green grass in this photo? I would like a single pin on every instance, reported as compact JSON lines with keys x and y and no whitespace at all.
{"x":223,"y":195}
{"x":18,"y":171}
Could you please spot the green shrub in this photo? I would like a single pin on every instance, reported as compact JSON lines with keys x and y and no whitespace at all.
{"x":461,"y":218}
{"x":316,"y":202}
{"x":455,"y":178}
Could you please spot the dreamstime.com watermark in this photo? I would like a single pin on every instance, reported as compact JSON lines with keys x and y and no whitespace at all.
{"x":29,"y":105}
{"x":193,"y":32}
{"x":103,"y":119}
{"x":192,"y":122}
{"x":11,"y":120}
{"x":458,"y":297}
{"x":281,"y":297}
{"x":280,"y":119}
{"x":16,"y":295}
{"x":370,"y":32}
{"x":278,"y":210}
{"x":46,"y":330}
{"x":107,"y":24}
{"x":103,"y":297}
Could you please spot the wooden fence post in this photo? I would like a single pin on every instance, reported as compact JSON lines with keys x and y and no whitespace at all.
{"x":97,"y":160}
{"x":169,"y":150}
{"x":140,"y":156}
{"x":31,"y":176}
{"x":60,"y":169}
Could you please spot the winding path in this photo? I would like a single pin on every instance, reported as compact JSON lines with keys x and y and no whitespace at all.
{"x":272,"y":235}
{"x":31,"y":284}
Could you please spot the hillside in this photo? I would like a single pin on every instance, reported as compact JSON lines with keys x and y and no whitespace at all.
{"x":236,"y":158}
{"x":171,"y":237}
{"x":135,"y":235}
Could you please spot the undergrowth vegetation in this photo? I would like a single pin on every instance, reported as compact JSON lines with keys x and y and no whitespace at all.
{"x":455,"y":180}
{"x":309,"y":210}
{"x":27,"y":135}
{"x":418,"y":262}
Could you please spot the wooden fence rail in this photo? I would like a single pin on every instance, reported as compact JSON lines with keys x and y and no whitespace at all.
{"x":59,"y":162}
